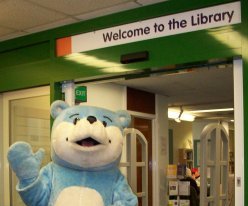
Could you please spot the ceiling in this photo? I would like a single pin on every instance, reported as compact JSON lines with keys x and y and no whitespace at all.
{"x":199,"y":89}
{"x":195,"y":89}
{"x":23,"y":17}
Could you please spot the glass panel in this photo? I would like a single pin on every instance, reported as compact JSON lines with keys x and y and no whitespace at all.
{"x":29,"y":122}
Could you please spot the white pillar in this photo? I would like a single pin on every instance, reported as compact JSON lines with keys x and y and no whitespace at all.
{"x":68,"y":88}
{"x":239,"y":131}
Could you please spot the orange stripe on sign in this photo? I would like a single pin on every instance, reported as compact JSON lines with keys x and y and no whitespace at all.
{"x":63,"y":46}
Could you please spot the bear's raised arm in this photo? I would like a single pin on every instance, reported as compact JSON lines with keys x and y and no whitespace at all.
{"x":33,"y":186}
{"x":38,"y":193}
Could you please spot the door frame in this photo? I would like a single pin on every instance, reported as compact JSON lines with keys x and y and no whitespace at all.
{"x":1,"y":151}
{"x":239,"y":132}
{"x":6,"y":98}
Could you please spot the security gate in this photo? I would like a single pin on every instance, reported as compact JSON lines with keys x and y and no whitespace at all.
{"x":132,"y":136}
{"x":214,"y":166}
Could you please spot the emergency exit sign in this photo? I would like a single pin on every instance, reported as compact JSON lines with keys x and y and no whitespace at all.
{"x":81,"y":94}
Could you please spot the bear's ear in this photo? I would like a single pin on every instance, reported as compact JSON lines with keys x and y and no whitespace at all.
{"x":57,"y":107}
{"x":124,"y":118}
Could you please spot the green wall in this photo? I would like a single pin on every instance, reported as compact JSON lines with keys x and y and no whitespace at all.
{"x":30,"y":61}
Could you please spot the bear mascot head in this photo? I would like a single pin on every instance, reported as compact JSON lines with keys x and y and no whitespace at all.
{"x":86,"y":149}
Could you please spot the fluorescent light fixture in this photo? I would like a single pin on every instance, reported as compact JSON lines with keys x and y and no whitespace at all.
{"x":178,"y":120}
{"x":213,"y":110}
{"x":175,"y":114}
{"x":105,"y":65}
{"x":90,"y":60}
{"x":187,"y":117}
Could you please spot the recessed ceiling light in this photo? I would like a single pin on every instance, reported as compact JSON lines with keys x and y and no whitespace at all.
{"x":180,"y":115}
{"x":213,"y":110}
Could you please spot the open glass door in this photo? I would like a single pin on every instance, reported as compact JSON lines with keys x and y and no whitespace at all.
{"x":26,"y":118}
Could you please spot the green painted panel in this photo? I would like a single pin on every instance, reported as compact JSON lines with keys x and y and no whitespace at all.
{"x":24,"y":55}
{"x":25,"y":61}
{"x":42,"y":73}
{"x":177,"y":49}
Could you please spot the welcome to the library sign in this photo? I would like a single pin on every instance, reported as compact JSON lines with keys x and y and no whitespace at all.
{"x":211,"y":17}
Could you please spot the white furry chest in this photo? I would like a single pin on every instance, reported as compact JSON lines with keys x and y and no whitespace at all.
{"x":78,"y":196}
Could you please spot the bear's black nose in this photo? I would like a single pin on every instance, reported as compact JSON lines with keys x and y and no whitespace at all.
{"x":91,"y":119}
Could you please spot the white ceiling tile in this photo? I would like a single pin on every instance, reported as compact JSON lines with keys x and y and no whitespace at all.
{"x":147,"y":2}
{"x":4,"y":31}
{"x":21,"y":15}
{"x":75,"y":7}
{"x":109,"y":10}
{"x":12,"y":35}
{"x":52,"y":25}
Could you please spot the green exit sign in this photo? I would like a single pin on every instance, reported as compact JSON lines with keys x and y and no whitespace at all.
{"x":81,"y":94}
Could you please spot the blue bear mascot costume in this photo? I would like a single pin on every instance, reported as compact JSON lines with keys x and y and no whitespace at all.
{"x":86,"y":149}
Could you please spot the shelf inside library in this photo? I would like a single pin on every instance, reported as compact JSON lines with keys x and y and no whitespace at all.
{"x":185,"y":156}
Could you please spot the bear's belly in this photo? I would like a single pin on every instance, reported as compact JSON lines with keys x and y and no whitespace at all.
{"x":79,"y":196}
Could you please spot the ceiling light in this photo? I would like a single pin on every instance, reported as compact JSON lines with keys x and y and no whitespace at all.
{"x":187,"y":117}
{"x":88,"y":60}
{"x":213,"y":110}
{"x":178,"y":120}
{"x":179,"y":116}
{"x":172,"y":114}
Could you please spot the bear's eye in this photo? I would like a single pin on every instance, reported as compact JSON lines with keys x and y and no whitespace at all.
{"x":104,"y":123}
{"x":76,"y":120}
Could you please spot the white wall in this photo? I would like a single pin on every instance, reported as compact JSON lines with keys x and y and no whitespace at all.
{"x":161,"y":150}
{"x":239,"y":130}
{"x":108,"y":95}
{"x":182,"y":137}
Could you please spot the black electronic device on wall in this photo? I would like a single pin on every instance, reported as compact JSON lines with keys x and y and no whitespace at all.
{"x":134,"y":57}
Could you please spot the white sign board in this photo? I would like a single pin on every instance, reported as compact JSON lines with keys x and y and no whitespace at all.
{"x":211,"y":17}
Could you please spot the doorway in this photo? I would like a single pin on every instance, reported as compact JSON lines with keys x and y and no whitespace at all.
{"x":196,"y":87}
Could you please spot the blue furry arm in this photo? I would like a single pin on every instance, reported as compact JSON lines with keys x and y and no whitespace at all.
{"x":33,"y":186}
{"x":123,"y":195}
{"x":38,"y":192}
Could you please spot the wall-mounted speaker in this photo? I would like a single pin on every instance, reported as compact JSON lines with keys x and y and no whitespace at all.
{"x":134,"y":57}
